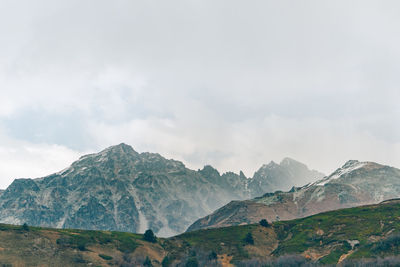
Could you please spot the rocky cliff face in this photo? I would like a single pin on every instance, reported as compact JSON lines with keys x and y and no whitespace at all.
{"x":355,"y":184}
{"x":120,"y":189}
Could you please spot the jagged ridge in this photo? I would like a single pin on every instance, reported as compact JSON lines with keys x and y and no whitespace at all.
{"x":121,"y":189}
{"x":354,"y":184}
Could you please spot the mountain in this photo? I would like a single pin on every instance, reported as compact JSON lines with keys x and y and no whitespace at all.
{"x":362,"y":236}
{"x":283,"y":176}
{"x":354,"y":184}
{"x":121,"y":189}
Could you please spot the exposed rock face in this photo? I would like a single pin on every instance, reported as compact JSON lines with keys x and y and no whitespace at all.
{"x":120,"y":189}
{"x":355,"y":184}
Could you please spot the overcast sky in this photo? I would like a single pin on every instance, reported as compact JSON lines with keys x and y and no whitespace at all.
{"x":234,"y":84}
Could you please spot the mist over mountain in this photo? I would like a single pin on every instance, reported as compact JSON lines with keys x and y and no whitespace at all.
{"x":354,"y":184}
{"x":271,"y":177}
{"x":121,"y":189}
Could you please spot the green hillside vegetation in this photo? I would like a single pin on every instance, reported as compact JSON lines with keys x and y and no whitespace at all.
{"x":345,"y":236}
{"x":359,"y":232}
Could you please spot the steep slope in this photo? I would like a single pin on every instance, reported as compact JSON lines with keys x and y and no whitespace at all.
{"x":120,"y":189}
{"x":355,"y":236}
{"x":355,"y":184}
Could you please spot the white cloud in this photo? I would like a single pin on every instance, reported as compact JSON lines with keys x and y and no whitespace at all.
{"x":323,"y":144}
{"x":20,"y":159}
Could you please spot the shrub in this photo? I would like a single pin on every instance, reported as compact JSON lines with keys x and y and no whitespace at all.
{"x":264,"y":223}
{"x":249,"y":239}
{"x":81,"y":247}
{"x":213,"y":255}
{"x":25,"y":227}
{"x":149,"y":236}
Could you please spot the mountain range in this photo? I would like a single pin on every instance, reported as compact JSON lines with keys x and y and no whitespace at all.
{"x":354,"y":184}
{"x":123,"y":190}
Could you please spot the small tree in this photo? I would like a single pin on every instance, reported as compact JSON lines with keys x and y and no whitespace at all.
{"x":249,"y":239}
{"x":213,"y":255}
{"x":82,"y":246}
{"x":264,"y":223}
{"x":149,"y":236}
{"x":25,"y":227}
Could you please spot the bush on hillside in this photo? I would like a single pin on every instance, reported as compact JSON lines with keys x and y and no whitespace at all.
{"x":213,"y":255}
{"x":25,"y":227}
{"x":249,"y":239}
{"x":149,"y":236}
{"x":264,"y":223}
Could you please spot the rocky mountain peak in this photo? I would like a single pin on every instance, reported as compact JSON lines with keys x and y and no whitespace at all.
{"x":265,"y":167}
{"x":283,"y":176}
{"x":209,"y":170}
{"x":271,"y":164}
{"x":289,"y":161}
{"x":350,"y":163}
{"x":118,"y":151}
{"x":121,"y":148}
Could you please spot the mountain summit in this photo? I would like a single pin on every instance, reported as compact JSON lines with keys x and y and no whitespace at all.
{"x":121,"y":189}
{"x":272,"y":176}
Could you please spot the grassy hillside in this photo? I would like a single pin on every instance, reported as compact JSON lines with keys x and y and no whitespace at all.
{"x":34,"y":246}
{"x":339,"y":236}
{"x":348,"y":233}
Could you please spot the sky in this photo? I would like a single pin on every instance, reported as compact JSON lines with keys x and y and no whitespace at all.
{"x":234,"y":84}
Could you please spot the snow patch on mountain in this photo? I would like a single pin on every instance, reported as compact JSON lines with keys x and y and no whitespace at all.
{"x":349,"y":167}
